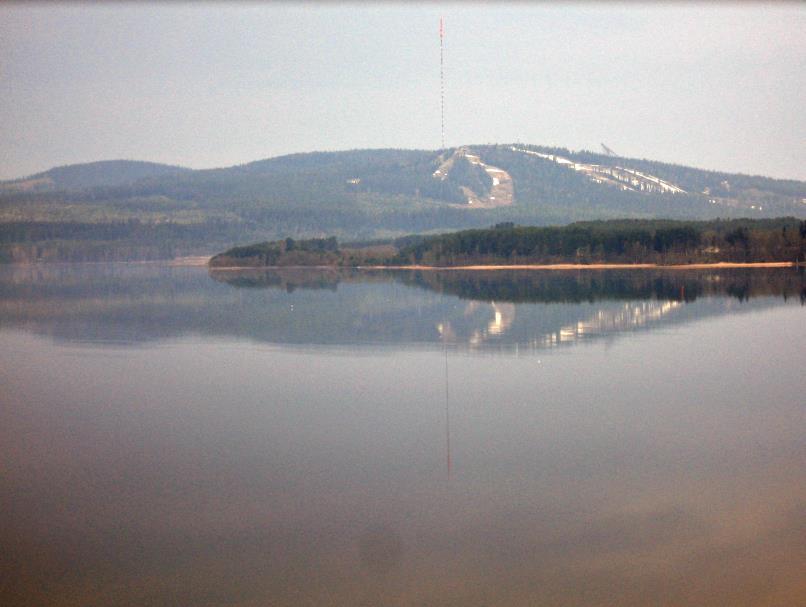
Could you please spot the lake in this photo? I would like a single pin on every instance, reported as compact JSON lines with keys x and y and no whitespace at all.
{"x":297,"y":437}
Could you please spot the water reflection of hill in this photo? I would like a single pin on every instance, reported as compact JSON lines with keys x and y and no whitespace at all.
{"x":477,"y":310}
{"x":519,"y":286}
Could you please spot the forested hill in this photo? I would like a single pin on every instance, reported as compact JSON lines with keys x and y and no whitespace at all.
{"x":115,"y":208}
{"x":104,"y":173}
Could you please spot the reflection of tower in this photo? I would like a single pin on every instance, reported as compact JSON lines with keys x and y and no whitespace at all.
{"x":447,"y":416}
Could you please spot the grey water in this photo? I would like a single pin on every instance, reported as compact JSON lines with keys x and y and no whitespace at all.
{"x":174,"y":437}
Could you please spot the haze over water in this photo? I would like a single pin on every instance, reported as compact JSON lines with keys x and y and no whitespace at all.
{"x":168,"y":437}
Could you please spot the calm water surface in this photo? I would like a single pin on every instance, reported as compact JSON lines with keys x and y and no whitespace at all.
{"x":168,"y":437}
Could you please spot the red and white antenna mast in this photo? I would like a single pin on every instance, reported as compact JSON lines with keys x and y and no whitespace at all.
{"x":442,"y":80}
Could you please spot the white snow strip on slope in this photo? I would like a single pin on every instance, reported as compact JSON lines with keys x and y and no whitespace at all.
{"x":595,"y":168}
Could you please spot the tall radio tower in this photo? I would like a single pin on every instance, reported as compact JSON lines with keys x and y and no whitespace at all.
{"x":442,"y":80}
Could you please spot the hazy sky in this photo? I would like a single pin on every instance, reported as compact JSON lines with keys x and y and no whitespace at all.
{"x":716,"y":86}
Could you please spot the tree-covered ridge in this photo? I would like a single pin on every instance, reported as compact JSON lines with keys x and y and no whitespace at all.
{"x":356,"y":194}
{"x":553,"y":189}
{"x":335,"y":179}
{"x":623,"y":241}
{"x":104,"y":173}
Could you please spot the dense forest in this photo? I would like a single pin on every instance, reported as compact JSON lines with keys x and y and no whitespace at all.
{"x":621,"y":241}
{"x":121,"y":209}
{"x":661,"y":242}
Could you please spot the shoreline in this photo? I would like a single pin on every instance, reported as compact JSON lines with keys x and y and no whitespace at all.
{"x":549,"y":267}
{"x":191,"y":261}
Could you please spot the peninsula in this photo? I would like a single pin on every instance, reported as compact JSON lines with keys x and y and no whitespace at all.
{"x":593,"y":245}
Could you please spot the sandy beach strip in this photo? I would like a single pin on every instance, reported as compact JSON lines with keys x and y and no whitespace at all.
{"x":600,"y":266}
{"x":195,"y":261}
{"x":554,"y":266}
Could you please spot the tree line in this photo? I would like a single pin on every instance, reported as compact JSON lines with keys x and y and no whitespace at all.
{"x":624,"y":241}
{"x":662,"y":242}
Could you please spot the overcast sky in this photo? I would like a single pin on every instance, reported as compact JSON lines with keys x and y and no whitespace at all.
{"x":719,"y":87}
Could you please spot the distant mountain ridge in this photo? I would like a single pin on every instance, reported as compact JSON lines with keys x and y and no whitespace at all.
{"x":92,"y":174}
{"x":373,"y":193}
{"x":120,"y":172}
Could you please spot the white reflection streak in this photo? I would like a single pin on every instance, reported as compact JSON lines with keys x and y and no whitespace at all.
{"x":503,"y":317}
{"x":629,"y":316}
